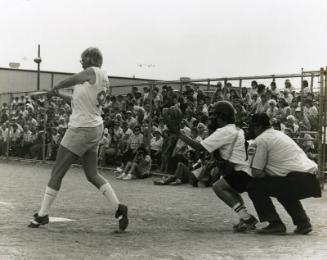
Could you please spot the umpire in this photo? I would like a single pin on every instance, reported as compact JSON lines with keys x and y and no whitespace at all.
{"x":280,"y":169}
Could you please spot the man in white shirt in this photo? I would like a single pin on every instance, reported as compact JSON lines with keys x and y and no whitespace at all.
{"x":280,"y":169}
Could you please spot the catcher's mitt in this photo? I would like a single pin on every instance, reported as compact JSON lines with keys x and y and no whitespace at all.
{"x":172,"y":117}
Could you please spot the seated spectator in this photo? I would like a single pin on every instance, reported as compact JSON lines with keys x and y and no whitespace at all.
{"x":292,"y":124}
{"x":139,"y":168}
{"x":272,"y":110}
{"x":135,"y":141}
{"x":103,"y":146}
{"x":273,"y":88}
{"x":262,"y":105}
{"x":156,"y":146}
{"x":130,"y":119}
{"x":111,"y":151}
{"x":311,"y":113}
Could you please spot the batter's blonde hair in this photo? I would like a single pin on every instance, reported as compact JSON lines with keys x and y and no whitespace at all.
{"x":93,"y":56}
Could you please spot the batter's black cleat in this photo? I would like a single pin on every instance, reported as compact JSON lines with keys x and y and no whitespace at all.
{"x":38,"y":221}
{"x":121,"y":215}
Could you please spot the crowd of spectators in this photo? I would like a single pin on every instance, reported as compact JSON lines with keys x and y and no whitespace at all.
{"x":131,"y":128}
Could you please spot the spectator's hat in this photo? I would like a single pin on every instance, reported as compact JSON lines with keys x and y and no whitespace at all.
{"x":260,"y":119}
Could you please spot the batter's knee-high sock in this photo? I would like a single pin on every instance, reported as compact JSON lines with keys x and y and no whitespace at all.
{"x":241,"y":211}
{"x":110,"y":194}
{"x":48,"y":199}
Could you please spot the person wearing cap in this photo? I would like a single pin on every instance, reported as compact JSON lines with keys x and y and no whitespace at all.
{"x":228,"y":142}
{"x":280,"y":169}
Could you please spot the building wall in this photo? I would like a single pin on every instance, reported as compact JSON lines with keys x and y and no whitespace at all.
{"x":17,"y":82}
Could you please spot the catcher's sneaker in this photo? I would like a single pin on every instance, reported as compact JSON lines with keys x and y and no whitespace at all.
{"x":38,"y":221}
{"x":121,"y":215}
{"x":245,"y":225}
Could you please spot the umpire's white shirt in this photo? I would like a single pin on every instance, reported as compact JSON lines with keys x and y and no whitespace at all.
{"x":277,"y":154}
{"x":222,"y":139}
{"x":87,"y":100}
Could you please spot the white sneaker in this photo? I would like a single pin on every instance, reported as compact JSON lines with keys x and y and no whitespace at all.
{"x":118,"y":169}
{"x":127,"y":177}
{"x":121,"y":176}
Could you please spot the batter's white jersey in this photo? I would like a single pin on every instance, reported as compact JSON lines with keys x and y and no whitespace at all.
{"x":87,"y":101}
{"x":277,"y":154}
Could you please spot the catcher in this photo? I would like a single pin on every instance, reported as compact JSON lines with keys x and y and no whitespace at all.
{"x":229,"y":142}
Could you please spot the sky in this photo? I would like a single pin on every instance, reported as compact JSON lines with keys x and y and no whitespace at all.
{"x":167,"y":39}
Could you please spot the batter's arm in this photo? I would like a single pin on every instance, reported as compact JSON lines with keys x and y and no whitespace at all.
{"x":79,"y":78}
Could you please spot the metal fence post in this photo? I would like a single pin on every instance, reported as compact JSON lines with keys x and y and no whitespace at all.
{"x":321,"y":132}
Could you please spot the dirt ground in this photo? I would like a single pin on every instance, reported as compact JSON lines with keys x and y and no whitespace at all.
{"x":166,"y":222}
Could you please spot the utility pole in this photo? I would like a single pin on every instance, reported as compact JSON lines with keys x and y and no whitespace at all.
{"x":38,"y":60}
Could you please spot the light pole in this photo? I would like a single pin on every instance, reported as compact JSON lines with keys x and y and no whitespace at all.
{"x":38,"y":60}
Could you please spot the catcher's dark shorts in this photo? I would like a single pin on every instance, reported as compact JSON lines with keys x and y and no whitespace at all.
{"x":238,"y":180}
{"x":79,"y":140}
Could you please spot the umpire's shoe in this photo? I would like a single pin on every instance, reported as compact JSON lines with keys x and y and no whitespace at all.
{"x":38,"y":221}
{"x":303,"y":228}
{"x":121,"y":215}
{"x":277,"y":228}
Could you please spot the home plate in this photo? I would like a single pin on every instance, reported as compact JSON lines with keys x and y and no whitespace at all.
{"x":55,"y":219}
{"x":7,"y":204}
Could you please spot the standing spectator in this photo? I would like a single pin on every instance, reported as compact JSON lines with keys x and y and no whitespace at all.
{"x":27,"y":141}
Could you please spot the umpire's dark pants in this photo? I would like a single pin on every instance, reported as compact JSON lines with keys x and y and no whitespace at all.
{"x":288,"y":190}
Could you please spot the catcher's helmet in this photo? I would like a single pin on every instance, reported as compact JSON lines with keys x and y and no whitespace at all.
{"x":223,"y":110}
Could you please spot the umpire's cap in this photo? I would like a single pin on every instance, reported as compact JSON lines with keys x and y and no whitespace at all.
{"x":260,"y":119}
{"x":224,"y":110}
